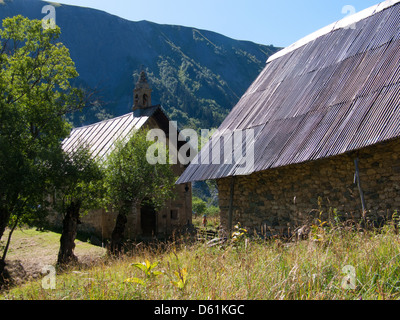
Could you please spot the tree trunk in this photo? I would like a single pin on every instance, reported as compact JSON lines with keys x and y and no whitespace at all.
{"x":4,"y":219}
{"x":117,"y":235}
{"x":67,"y":241}
{"x":3,"y":276}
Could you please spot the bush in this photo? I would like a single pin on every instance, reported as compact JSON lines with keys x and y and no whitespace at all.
{"x":212,"y":211}
{"x":199,"y":206}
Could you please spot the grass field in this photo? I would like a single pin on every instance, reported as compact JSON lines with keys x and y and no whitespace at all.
{"x":335,"y":263}
{"x":36,"y":249}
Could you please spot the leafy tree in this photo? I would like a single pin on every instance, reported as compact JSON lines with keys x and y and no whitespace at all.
{"x":199,"y":206}
{"x":213,"y":189}
{"x":131,"y":181}
{"x":78,"y":188}
{"x":35,"y":95}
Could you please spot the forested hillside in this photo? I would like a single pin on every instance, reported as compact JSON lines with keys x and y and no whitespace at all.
{"x":196,"y":75}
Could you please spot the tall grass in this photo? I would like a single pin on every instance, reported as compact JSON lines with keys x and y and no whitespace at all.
{"x":251,"y":269}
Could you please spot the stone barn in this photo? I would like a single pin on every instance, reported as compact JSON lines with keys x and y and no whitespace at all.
{"x":320,"y":127}
{"x":143,"y":222}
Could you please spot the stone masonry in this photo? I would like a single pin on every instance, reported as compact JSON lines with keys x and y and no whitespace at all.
{"x":278,"y":200}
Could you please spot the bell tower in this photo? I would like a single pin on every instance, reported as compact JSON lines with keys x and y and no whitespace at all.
{"x":142,"y":93}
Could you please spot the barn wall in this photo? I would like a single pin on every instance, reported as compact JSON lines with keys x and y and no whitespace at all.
{"x":282,"y":199}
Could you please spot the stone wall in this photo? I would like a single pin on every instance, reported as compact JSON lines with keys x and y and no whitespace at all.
{"x":100,"y":223}
{"x":279,"y":200}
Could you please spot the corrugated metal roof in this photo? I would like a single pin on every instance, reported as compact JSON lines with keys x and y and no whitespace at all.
{"x":347,"y":22}
{"x":336,"y":91}
{"x":100,"y":137}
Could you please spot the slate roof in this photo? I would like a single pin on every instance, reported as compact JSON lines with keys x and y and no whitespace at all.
{"x":335,"y":91}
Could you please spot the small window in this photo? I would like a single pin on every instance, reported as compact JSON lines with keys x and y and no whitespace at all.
{"x":174,"y":214}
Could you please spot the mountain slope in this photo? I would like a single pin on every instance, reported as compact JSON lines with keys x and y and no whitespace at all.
{"x":196,"y":75}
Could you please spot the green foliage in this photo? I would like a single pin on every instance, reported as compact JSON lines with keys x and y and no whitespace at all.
{"x":79,"y":178}
{"x":266,"y":270}
{"x":212,"y":211}
{"x":190,"y":92}
{"x":239,"y":235}
{"x":181,"y":278}
{"x":317,"y":231}
{"x":205,"y":198}
{"x":396,"y":218}
{"x":131,"y":179}
{"x":35,"y":96}
{"x":178,"y":275}
{"x":199,"y":206}
{"x":148,"y":270}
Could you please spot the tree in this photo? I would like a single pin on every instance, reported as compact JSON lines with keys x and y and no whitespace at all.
{"x":131,"y":181}
{"x":35,"y":96}
{"x":199,"y":206}
{"x":78,"y":188}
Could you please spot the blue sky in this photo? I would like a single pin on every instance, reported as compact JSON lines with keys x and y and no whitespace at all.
{"x":277,"y":22}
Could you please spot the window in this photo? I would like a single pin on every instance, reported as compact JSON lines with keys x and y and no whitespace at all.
{"x":174,"y":214}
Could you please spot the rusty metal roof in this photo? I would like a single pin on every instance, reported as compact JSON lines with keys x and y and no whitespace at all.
{"x":335,"y":92}
{"x":100,"y":137}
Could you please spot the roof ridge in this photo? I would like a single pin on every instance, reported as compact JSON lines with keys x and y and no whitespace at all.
{"x":106,"y":120}
{"x":340,"y":24}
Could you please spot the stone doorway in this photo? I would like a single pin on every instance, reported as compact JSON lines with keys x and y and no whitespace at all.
{"x":148,"y":218}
